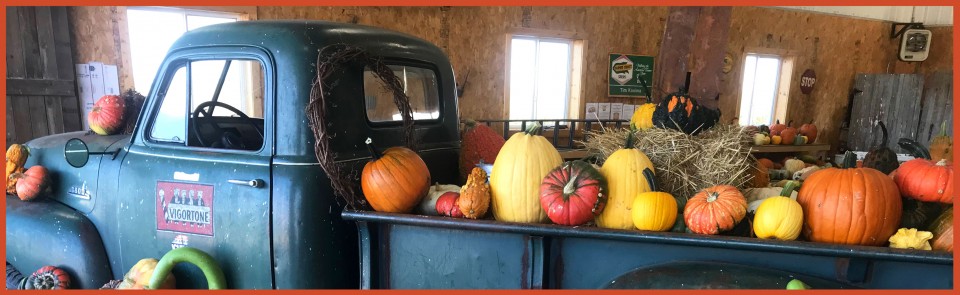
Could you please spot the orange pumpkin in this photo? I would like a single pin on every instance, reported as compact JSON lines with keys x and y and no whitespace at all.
{"x":810,"y":131}
{"x":32,"y":183}
{"x":853,"y":206}
{"x":777,"y":128}
{"x":715,"y":209}
{"x":761,"y":176}
{"x":788,"y":135}
{"x":925,"y":181}
{"x":394,"y":181}
{"x":766,"y":163}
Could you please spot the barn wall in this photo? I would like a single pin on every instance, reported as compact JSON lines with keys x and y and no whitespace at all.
{"x":836,"y":47}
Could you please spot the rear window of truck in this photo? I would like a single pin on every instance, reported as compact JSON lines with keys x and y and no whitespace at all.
{"x":419,"y":84}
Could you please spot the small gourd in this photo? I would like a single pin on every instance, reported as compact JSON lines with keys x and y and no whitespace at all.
{"x":475,"y":195}
{"x":643,"y":117}
{"x":911,"y":238}
{"x":793,"y":165}
{"x":941,"y":147}
{"x":881,"y":157}
{"x":654,"y":210}
{"x":776,"y":139}
{"x":779,"y":217}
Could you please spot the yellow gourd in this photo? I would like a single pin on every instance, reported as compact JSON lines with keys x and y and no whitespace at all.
{"x":779,"y":217}
{"x":521,"y":165}
{"x":775,"y":139}
{"x":654,"y":210}
{"x":624,"y":173}
{"x":643,"y":117}
{"x":910,"y":238}
{"x":17,"y":154}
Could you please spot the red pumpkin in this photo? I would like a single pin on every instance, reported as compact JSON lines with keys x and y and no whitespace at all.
{"x":50,"y":278}
{"x":775,"y":129}
{"x":32,"y":183}
{"x":447,"y":205}
{"x":394,"y":181}
{"x":573,"y":193}
{"x":942,"y":229}
{"x":715,"y":209}
{"x":926,"y":181}
{"x":810,"y":131}
{"x":107,"y":116}
{"x":853,"y":206}
{"x":477,"y":143}
{"x":766,"y":163}
{"x":788,"y":135}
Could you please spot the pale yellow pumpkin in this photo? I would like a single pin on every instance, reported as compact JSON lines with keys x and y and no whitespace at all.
{"x":625,"y":180}
{"x":654,"y":210}
{"x":779,"y":217}
{"x":794,"y":165}
{"x":643,"y":117}
{"x":520,"y":167}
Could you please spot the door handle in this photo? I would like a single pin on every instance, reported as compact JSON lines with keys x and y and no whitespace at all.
{"x":251,"y":183}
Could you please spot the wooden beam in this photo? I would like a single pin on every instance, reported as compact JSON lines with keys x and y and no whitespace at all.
{"x":20,"y":87}
{"x":672,"y":63}
{"x":707,"y":50}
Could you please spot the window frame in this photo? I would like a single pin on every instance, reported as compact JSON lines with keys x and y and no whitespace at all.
{"x":781,"y":103}
{"x":575,"y":91}
{"x":180,"y":58}
{"x":405,"y":63}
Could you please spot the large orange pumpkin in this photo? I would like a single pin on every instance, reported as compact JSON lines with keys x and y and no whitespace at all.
{"x":925,"y":181}
{"x":715,"y":209}
{"x":810,"y":131}
{"x":394,"y":181}
{"x":854,"y":206}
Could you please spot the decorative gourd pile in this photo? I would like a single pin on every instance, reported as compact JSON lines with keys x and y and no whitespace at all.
{"x":27,"y":184}
{"x":782,"y":134}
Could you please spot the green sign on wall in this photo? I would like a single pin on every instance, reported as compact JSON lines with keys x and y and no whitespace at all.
{"x":626,"y":72}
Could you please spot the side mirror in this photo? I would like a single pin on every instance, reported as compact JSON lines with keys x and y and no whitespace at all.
{"x":76,"y":153}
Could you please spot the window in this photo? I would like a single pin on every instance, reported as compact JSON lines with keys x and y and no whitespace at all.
{"x":419,"y":84}
{"x":153,"y":30}
{"x":212,"y":103}
{"x":544,"y":75}
{"x":763,"y":96}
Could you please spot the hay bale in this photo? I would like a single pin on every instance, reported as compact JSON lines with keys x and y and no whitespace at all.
{"x":684,"y":164}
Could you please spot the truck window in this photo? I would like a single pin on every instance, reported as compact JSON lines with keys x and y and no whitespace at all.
{"x":419,"y":84}
{"x":212,"y":104}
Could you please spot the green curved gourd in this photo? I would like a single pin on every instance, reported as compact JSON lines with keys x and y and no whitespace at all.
{"x":914,"y":148}
{"x":206,"y":263}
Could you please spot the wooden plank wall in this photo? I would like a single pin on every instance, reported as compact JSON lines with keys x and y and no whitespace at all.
{"x":937,"y":106}
{"x":891,"y":98}
{"x":41,"y":93}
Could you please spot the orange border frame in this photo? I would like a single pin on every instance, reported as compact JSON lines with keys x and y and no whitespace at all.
{"x":956,"y":80}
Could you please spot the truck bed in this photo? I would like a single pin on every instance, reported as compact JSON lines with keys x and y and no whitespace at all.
{"x":406,"y":251}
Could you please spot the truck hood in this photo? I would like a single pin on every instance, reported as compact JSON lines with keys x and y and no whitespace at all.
{"x":73,"y":186}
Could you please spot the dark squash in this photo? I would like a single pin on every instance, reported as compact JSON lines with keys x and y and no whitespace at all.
{"x":679,"y":111}
{"x":881,"y":157}
{"x":50,"y":278}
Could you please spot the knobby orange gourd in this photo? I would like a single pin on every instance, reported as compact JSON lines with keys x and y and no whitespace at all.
{"x":715,"y":209}
{"x":395,"y":180}
{"x":520,"y":167}
{"x":926,"y":181}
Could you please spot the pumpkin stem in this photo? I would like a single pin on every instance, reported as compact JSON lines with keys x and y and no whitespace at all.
{"x":883,"y":129}
{"x":373,"y":150}
{"x":469,"y":123}
{"x":942,"y":162}
{"x":648,"y":174}
{"x":790,"y":123}
{"x":789,"y":188}
{"x":630,"y":138}
{"x":570,"y":187}
{"x":849,"y":160}
{"x":943,"y":128}
{"x":712,"y":196}
{"x":535,"y":129}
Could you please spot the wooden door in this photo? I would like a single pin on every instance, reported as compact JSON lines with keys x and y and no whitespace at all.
{"x":41,"y":89}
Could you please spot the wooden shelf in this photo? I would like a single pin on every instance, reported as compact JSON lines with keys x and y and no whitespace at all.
{"x":790,"y":148}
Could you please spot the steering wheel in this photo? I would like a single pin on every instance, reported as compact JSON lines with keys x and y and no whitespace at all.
{"x":200,"y":110}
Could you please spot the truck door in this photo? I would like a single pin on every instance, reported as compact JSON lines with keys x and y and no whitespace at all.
{"x":198,"y":171}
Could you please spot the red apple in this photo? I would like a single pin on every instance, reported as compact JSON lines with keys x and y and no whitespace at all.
{"x":107,"y":116}
{"x":447,"y":205}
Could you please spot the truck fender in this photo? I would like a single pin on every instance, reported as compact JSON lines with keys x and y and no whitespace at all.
{"x":46,"y":232}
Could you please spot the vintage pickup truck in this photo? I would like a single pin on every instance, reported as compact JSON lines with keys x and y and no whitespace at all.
{"x":222,"y":159}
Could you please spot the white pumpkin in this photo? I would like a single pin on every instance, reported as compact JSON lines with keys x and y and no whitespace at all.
{"x":428,"y":206}
{"x":755,"y":196}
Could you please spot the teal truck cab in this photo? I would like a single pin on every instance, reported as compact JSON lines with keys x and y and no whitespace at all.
{"x":222,"y":159}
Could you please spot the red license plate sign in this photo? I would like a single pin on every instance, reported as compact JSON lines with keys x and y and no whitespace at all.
{"x":185,"y":207}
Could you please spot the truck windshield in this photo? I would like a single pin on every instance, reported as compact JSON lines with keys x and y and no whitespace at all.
{"x":420,"y":85}
{"x":214,"y":104}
